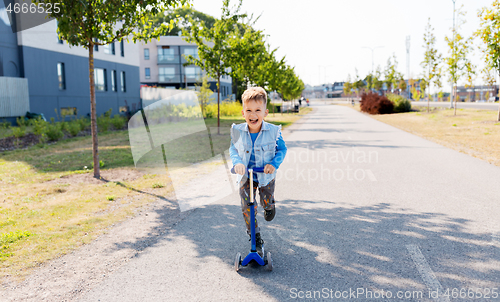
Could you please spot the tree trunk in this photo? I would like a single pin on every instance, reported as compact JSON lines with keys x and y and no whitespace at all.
{"x":218,"y":103}
{"x":93,"y":119}
{"x":455,"y":98}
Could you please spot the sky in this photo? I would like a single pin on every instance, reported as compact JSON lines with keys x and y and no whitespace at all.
{"x":324,"y":39}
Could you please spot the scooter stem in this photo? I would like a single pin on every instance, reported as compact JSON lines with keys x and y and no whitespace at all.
{"x":252,"y":212}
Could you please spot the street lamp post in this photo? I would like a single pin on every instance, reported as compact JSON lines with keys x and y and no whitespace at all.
{"x":372,"y":49}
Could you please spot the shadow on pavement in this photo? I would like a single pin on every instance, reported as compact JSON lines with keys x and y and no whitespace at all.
{"x":319,"y":245}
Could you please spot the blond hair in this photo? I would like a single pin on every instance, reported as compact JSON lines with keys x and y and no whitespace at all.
{"x":254,"y":94}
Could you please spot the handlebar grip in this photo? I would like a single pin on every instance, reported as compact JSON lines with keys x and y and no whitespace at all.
{"x":256,"y":170}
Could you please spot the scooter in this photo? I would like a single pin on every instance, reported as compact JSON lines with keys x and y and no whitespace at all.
{"x":266,"y":260}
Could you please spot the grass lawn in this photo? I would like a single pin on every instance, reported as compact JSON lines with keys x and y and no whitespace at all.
{"x":51,"y":204}
{"x":472,"y":131}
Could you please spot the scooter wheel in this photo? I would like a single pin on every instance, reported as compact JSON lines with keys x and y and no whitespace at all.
{"x":237,"y":262}
{"x":269,"y":265}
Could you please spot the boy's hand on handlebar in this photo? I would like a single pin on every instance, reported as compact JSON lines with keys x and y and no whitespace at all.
{"x":240,"y":169}
{"x":269,"y":169}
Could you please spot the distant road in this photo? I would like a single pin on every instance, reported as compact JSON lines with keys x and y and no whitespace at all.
{"x":485,"y":106}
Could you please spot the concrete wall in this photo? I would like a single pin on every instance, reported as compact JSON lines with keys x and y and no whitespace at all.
{"x":14,"y":97}
{"x":9,"y":57}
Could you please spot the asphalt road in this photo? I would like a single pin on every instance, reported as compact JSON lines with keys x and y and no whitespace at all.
{"x":364,"y":210}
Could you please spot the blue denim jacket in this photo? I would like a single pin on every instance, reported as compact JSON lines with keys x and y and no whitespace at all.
{"x":264,"y":148}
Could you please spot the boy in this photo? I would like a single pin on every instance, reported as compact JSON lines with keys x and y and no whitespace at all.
{"x":256,"y":144}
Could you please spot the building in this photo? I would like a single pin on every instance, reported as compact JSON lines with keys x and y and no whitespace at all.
{"x":477,"y":93}
{"x":330,"y":90}
{"x":58,"y":75}
{"x":162,"y":65}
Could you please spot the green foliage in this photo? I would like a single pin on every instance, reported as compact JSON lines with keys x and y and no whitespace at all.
{"x":226,"y":109}
{"x":432,"y":60}
{"x":8,"y":238}
{"x":401,"y":104}
{"x":4,"y":124}
{"x":22,"y":122}
{"x":459,"y":48}
{"x":204,"y":93}
{"x":101,"y":164}
{"x":53,"y":132}
{"x":179,"y":18}
{"x":19,"y":131}
{"x":103,"y":122}
{"x":74,"y":128}
{"x":118,"y":122}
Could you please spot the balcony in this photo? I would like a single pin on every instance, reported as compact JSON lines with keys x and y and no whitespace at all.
{"x":168,"y":59}
{"x":169,"y":79}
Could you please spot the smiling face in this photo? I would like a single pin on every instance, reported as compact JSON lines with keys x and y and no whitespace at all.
{"x":254,"y":112}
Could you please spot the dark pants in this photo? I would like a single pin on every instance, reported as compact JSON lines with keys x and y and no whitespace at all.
{"x":266,"y":194}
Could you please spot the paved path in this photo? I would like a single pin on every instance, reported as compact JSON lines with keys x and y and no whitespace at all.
{"x":362,"y":206}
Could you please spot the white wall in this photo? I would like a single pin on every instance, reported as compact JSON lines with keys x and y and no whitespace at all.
{"x":45,"y":37}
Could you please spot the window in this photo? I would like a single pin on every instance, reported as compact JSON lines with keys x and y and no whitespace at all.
{"x":166,"y":54}
{"x":61,"y":76}
{"x":113,"y":80}
{"x":146,"y":53}
{"x":122,"y":48}
{"x":166,"y":74}
{"x":191,"y":51}
{"x":148,"y":73}
{"x":112,"y":48}
{"x":100,"y":79}
{"x":65,"y":111}
{"x":107,"y":48}
{"x":122,"y":80}
{"x":193,"y":73}
{"x":96,"y":47}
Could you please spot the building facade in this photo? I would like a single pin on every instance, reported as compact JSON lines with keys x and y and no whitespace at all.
{"x":162,"y":65}
{"x":58,"y":74}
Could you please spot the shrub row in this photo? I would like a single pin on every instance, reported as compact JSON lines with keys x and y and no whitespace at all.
{"x":374,"y":103}
{"x":54,"y":131}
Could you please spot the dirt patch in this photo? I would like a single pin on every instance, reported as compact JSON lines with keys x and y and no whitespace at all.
{"x":106,"y":175}
{"x":12,"y":143}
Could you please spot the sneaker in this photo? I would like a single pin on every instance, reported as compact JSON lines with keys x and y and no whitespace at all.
{"x":258,"y":244}
{"x":269,"y":214}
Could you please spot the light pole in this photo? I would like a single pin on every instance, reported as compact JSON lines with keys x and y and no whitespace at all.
{"x":452,"y":95}
{"x":372,"y":49}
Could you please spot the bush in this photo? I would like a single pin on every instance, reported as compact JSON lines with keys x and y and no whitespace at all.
{"x":118,"y":122}
{"x":19,"y":131}
{"x":39,"y":128}
{"x":103,"y":123}
{"x":401,"y":104}
{"x":74,"y":128}
{"x":53,"y":132}
{"x":373,"y":103}
{"x":226,"y":109}
{"x":4,"y":124}
{"x":84,"y":123}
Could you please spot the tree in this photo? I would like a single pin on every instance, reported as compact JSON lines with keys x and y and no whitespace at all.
{"x":214,"y":52}
{"x":423,"y":85}
{"x":391,"y":73}
{"x":431,"y":60}
{"x":98,"y":22}
{"x":459,"y":48}
{"x":347,"y":86}
{"x":204,"y":93}
{"x":181,"y":17}
{"x":489,"y":32}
